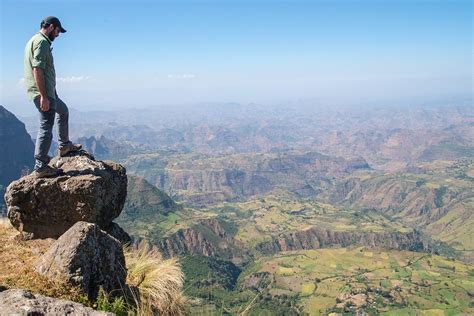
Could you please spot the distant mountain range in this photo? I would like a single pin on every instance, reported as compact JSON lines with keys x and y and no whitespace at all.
{"x":388,"y":138}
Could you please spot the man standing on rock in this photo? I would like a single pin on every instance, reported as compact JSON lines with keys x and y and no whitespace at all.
{"x":40,"y":79}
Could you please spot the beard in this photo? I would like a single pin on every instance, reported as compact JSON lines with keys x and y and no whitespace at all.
{"x":51,"y":36}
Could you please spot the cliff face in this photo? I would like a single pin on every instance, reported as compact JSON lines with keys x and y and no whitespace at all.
{"x":16,"y":150}
{"x":208,"y":238}
{"x":316,"y":238}
{"x":187,"y":241}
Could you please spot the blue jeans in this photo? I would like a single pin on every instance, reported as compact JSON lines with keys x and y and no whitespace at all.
{"x":45,"y":132}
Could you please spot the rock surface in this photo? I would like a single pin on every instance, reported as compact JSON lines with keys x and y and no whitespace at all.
{"x":22,"y":302}
{"x":89,"y":190}
{"x":86,"y":257}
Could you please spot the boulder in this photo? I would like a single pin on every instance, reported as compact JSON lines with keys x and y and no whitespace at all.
{"x":87,"y":257}
{"x":89,"y":190}
{"x":118,"y":233}
{"x":22,"y":302}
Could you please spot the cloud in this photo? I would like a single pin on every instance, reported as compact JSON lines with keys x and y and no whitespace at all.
{"x":72,"y":79}
{"x":181,"y":76}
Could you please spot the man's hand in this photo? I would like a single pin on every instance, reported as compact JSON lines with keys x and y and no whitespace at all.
{"x":38,"y":74}
{"x":44,"y":104}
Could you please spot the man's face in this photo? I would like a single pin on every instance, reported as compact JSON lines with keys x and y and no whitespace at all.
{"x":54,"y":32}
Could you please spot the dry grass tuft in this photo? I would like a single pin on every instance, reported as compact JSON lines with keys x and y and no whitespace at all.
{"x":16,"y":266}
{"x":158,"y":282}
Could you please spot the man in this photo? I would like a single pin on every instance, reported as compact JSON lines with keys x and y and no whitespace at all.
{"x":40,"y":79}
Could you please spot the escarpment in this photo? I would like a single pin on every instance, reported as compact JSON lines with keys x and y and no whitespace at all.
{"x":315,"y":238}
{"x":210,"y":238}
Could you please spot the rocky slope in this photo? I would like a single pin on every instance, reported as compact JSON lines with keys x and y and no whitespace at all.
{"x":208,"y":237}
{"x":16,"y":150}
{"x":144,"y":198}
{"x":147,"y":210}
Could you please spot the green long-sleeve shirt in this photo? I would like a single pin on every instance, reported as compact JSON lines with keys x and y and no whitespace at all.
{"x":38,"y":54}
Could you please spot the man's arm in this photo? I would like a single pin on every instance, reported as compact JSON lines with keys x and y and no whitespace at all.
{"x":38,"y":73}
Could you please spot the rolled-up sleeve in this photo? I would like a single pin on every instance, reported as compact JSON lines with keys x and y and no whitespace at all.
{"x":40,"y":55}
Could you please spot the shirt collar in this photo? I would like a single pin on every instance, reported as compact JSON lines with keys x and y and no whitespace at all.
{"x":49,"y":41}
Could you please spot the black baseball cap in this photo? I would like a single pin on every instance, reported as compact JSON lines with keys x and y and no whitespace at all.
{"x":54,"y":21}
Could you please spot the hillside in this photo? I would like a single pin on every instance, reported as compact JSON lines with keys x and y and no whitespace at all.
{"x":435,"y":197}
{"x":16,"y":151}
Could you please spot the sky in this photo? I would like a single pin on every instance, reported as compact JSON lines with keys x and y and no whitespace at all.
{"x":135,"y":54}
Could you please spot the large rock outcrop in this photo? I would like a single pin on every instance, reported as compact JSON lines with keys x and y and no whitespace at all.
{"x":22,"y":302}
{"x":89,"y":190}
{"x":86,"y":257}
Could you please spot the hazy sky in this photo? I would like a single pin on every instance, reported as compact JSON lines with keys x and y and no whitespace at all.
{"x":141,"y":53}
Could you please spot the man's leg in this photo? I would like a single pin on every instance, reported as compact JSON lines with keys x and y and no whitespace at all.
{"x":65,"y":145}
{"x":63,"y":122}
{"x":45,"y":134}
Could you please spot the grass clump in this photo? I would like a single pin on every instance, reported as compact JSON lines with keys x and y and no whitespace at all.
{"x":155,"y":283}
{"x":116,"y":305}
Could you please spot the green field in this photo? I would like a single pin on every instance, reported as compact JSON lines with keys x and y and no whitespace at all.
{"x":376,"y":281}
{"x":259,"y":219}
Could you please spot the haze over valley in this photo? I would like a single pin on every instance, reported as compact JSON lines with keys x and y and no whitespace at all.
{"x":267,"y":192}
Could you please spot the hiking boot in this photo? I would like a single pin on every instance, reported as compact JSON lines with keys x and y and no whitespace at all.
{"x":69,"y":148}
{"x":47,"y":172}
